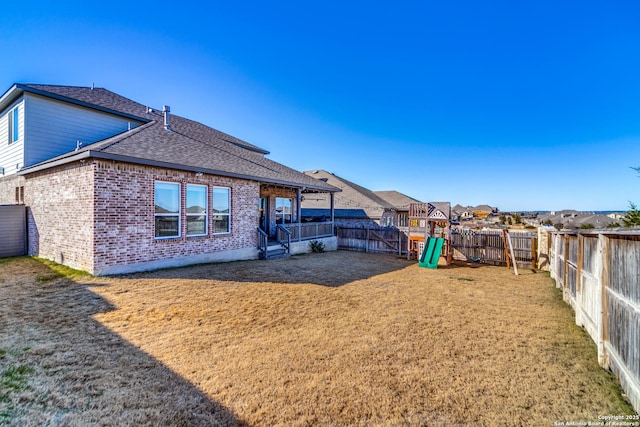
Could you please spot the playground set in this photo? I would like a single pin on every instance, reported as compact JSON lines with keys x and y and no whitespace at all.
{"x":430,"y":233}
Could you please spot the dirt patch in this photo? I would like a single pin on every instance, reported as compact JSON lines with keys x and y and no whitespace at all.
{"x":339,"y":338}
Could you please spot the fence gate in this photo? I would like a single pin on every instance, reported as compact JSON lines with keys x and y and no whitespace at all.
{"x":376,"y":240}
{"x":13,"y":230}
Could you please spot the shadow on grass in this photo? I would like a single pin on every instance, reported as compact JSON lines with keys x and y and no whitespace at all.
{"x":77,"y":371}
{"x":332,"y":269}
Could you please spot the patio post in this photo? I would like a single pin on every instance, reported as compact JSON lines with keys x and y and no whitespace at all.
{"x":299,"y":213}
{"x":333,"y":219}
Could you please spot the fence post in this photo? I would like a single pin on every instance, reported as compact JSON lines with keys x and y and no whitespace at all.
{"x":553,"y":257}
{"x":579,"y":266}
{"x":366,"y":241}
{"x":565,"y":279}
{"x":605,"y":259}
{"x":513,"y":257}
{"x":506,"y":247}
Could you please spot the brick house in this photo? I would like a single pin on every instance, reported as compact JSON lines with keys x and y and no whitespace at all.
{"x":112,"y":186}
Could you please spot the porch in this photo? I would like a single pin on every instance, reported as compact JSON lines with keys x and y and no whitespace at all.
{"x":283,"y":230}
{"x":294,"y":238}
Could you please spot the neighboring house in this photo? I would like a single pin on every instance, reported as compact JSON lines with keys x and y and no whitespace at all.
{"x":401,"y":203}
{"x":593,"y":220}
{"x":483,"y":211}
{"x":354,"y":205}
{"x":113,"y":186}
{"x":572,"y":219}
{"x":460,"y":213}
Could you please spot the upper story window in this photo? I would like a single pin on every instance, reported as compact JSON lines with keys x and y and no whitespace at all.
{"x":386,"y":221}
{"x":196,"y":210}
{"x":221,"y":201}
{"x":167,"y":209}
{"x":403,"y":221}
{"x":14,"y":125}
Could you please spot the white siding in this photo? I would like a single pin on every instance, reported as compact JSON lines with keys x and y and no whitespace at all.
{"x":54,"y":127}
{"x":12,"y":155}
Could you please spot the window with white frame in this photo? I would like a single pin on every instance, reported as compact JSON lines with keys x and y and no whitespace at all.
{"x":197,"y":210}
{"x":14,"y":125}
{"x":167,"y":209}
{"x":221,"y":214}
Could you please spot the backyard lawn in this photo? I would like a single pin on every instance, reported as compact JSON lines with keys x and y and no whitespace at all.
{"x":340,"y":338}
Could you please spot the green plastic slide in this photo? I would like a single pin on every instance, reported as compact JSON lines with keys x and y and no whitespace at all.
{"x":431,"y":253}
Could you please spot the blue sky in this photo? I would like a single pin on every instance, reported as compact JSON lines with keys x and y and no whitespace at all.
{"x":520,"y":105}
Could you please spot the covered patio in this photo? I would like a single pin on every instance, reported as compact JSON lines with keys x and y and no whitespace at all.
{"x":281,"y":221}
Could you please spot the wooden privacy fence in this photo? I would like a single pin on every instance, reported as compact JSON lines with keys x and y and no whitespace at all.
{"x":488,"y":246}
{"x":13,"y":230}
{"x":483,"y":245}
{"x":376,"y":240}
{"x":599,"y":273}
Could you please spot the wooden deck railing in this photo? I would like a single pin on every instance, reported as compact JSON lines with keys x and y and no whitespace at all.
{"x":309,"y":230}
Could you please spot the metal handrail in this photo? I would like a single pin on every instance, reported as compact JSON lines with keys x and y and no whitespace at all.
{"x":284,"y":240}
{"x":263,"y":240}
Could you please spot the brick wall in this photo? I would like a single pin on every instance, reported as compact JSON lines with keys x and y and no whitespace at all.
{"x":65,"y":225}
{"x":124,"y":215}
{"x":8,"y":186}
{"x":60,"y":214}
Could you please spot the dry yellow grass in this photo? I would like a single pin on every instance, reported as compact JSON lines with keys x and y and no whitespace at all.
{"x":338,"y":338}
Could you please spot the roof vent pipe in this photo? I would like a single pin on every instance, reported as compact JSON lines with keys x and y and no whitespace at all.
{"x":165,"y":111}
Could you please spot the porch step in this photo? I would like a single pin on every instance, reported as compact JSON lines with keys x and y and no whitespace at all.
{"x":275,"y":252}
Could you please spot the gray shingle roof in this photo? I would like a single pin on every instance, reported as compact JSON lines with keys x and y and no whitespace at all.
{"x":398,"y":200}
{"x":188,"y":145}
{"x":95,"y":97}
{"x":112,"y":102}
{"x":444,"y":207}
{"x":483,"y":208}
{"x":353,"y":196}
